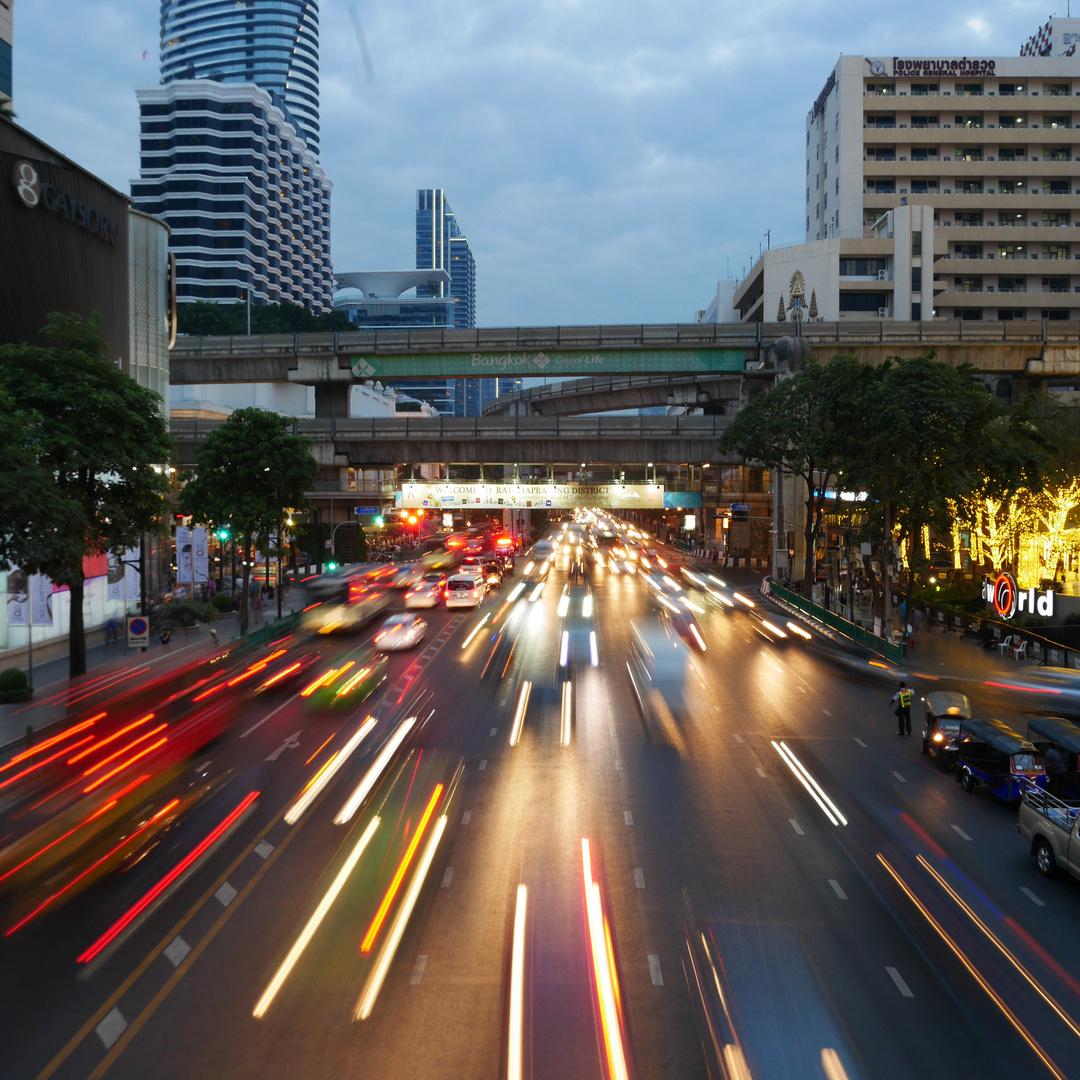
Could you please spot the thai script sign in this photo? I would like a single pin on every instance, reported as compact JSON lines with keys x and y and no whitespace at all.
{"x":541,"y":362}
{"x":961,"y":66}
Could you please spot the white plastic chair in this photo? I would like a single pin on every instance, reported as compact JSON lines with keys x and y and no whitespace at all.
{"x":1019,"y":650}
{"x":1007,"y":643}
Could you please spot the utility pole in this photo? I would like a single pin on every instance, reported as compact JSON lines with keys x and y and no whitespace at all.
{"x":249,"y":310}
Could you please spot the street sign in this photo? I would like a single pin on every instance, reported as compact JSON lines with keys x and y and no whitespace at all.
{"x":138,"y":631}
{"x":365,"y":509}
{"x":741,"y":506}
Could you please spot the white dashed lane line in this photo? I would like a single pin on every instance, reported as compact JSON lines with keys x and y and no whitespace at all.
{"x":465,"y":817}
{"x":176,"y":950}
{"x":826,"y":712}
{"x":111,"y":1028}
{"x":263,"y":849}
{"x":836,"y":888}
{"x":760,"y":771}
{"x":618,"y":766}
{"x":1032,"y":897}
{"x":861,"y":743}
{"x":796,"y":826}
{"x":639,"y":878}
{"x":654,"y":970}
{"x":960,"y":832}
{"x":902,"y":779}
{"x":225,"y":895}
{"x":905,"y":990}
{"x":738,"y":738}
{"x":628,"y":817}
{"x":483,"y":765}
{"x":448,"y":876}
{"x":418,"y":971}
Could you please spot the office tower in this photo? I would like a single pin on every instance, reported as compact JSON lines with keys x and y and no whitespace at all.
{"x":5,"y":47}
{"x":441,"y":245}
{"x":272,"y":43}
{"x":246,"y":199}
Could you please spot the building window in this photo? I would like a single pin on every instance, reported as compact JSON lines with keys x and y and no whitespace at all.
{"x":916,"y":244}
{"x":837,"y":182}
{"x":916,"y":279}
{"x":969,"y":90}
{"x":1012,"y":153}
{"x":837,"y":153}
{"x":969,"y":121}
{"x":916,"y":311}
{"x":1012,"y":121}
{"x":1010,"y":89}
{"x":881,"y":89}
{"x":1060,"y":89}
{"x":1056,"y":122}
{"x":924,"y":120}
{"x":923,"y":89}
{"x":1056,"y":153}
{"x":861,"y":267}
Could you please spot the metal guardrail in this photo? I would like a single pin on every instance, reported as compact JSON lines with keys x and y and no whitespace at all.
{"x":888,"y":649}
{"x":644,"y":336}
{"x":255,"y":639}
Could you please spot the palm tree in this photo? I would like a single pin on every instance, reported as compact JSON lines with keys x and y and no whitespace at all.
{"x":6,"y":110}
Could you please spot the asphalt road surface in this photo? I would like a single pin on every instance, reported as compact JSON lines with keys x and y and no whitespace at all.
{"x":906,"y":935}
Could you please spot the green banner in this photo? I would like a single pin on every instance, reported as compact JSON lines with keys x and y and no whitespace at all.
{"x":532,"y":362}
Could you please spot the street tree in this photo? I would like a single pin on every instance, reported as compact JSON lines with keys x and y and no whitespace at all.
{"x":247,"y":474}
{"x":804,"y":425}
{"x":929,"y":434}
{"x":91,"y":446}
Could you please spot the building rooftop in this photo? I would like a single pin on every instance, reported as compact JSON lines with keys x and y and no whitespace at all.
{"x":388,"y":284}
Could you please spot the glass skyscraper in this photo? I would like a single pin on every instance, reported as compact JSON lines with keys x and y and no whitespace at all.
{"x":441,"y":245}
{"x":273,"y":43}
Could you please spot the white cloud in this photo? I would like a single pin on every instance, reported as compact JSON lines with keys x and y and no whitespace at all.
{"x":979,"y":27}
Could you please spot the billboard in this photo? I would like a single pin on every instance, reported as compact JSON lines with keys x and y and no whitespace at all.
{"x":525,"y":496}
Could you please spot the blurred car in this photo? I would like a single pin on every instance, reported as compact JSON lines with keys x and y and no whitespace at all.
{"x":425,"y":594}
{"x":464,"y":590}
{"x":283,"y":671}
{"x":400,"y":631}
{"x":658,"y":667}
{"x":407,"y":576}
{"x":350,"y":679}
{"x":329,"y":617}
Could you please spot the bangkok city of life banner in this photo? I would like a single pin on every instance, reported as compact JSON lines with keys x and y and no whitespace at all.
{"x":544,"y":496}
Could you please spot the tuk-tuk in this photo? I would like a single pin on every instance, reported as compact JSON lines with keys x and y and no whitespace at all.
{"x":944,"y":711}
{"x":989,"y":752}
{"x":1047,"y":731}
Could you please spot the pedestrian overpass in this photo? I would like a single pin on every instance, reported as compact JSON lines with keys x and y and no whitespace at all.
{"x":703,"y":353}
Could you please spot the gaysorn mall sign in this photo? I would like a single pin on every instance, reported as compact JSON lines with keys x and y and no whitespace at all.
{"x":416,"y":496}
{"x":1009,"y":600}
{"x":34,"y":192}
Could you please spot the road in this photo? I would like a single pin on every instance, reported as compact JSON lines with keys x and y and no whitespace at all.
{"x":911,"y":938}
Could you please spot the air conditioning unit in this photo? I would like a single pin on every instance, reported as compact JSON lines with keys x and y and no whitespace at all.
{"x":883,"y":275}
{"x":882,"y":312}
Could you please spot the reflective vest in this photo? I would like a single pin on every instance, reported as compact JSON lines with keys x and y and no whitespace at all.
{"x":905,"y":699}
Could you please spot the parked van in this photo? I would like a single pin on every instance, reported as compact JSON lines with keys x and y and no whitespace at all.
{"x":464,"y":590}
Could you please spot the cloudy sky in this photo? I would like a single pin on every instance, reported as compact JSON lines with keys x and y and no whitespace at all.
{"x":609,"y":161}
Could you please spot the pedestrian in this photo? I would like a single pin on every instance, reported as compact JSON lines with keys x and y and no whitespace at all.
{"x":1057,"y":771}
{"x":112,"y":631}
{"x":165,"y":635}
{"x":902,"y":700}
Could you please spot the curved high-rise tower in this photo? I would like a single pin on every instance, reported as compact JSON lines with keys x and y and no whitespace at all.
{"x":273,"y":43}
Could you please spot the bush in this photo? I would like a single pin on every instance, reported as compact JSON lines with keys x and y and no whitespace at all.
{"x":181,"y":615}
{"x":14,"y":685}
{"x":1073,"y":618}
{"x":221,"y":602}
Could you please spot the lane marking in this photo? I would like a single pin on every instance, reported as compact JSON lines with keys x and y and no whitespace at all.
{"x":225,"y":895}
{"x":738,"y":738}
{"x":628,"y":817}
{"x":761,"y":772}
{"x":861,"y":743}
{"x":483,"y":765}
{"x":111,"y":1028}
{"x":902,"y":986}
{"x":836,"y":888}
{"x":493,"y":731}
{"x":448,"y":876}
{"x":902,"y":779}
{"x":263,"y":848}
{"x":176,"y":951}
{"x":268,"y":715}
{"x":800,"y":688}
{"x":465,"y":817}
{"x":796,"y":826}
{"x":826,"y":712}
{"x":1032,"y":897}
{"x":291,"y":743}
{"x":654,"y":970}
{"x":618,"y":766}
{"x":960,"y":832}
{"x":639,"y":878}
{"x":418,"y":971}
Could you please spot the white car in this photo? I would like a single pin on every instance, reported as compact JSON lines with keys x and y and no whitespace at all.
{"x":401,"y":631}
{"x":424,"y":594}
{"x":464,"y":590}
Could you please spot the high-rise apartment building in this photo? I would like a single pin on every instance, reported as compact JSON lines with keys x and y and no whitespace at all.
{"x":441,"y":245}
{"x":990,"y":144}
{"x":247,"y":201}
{"x":6,"y":39}
{"x":273,"y":43}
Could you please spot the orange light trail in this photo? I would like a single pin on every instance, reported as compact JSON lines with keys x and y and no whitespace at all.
{"x":45,"y":761}
{"x":92,"y":867}
{"x":124,"y":749}
{"x":60,"y":839}
{"x":959,"y":954}
{"x":53,"y":741}
{"x":403,"y":866}
{"x":281,"y":675}
{"x":316,"y":754}
{"x":362,"y":673}
{"x":320,"y":681}
{"x":136,"y":909}
{"x":124,"y":764}
{"x":108,"y":739}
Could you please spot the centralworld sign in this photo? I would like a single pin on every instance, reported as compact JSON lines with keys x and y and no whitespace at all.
{"x":550,"y":362}
{"x":524,"y":496}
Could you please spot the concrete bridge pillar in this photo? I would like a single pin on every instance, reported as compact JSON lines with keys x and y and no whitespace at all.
{"x":332,"y":400}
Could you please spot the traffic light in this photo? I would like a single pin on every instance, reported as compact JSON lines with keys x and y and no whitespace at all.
{"x":380,"y":521}
{"x":223,"y":534}
{"x":178,"y":518}
{"x":331,"y":566}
